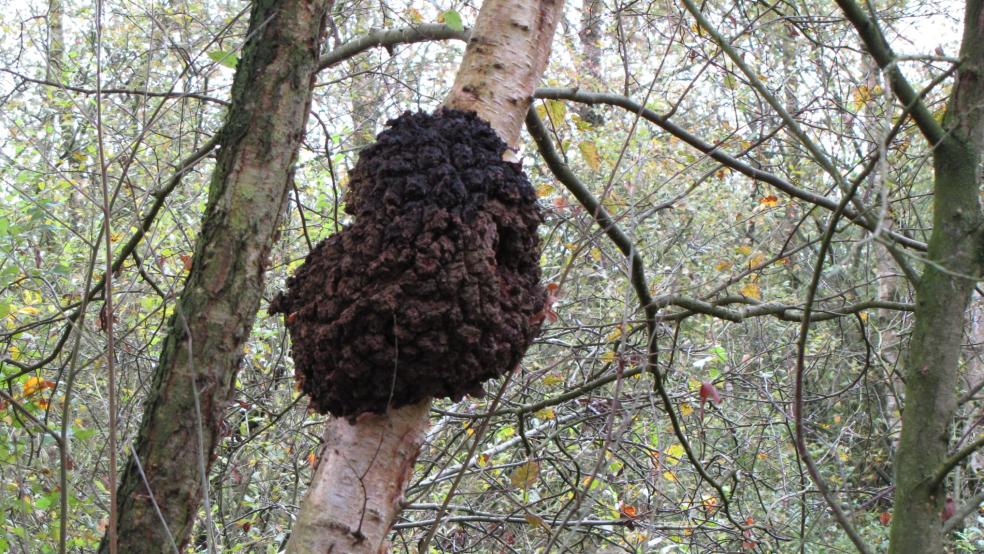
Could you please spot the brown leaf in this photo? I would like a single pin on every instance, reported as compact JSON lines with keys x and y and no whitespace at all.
{"x":526,"y":475}
{"x":535,"y":520}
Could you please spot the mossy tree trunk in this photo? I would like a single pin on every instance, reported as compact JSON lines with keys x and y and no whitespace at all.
{"x":942,"y":297}
{"x":357,"y":489}
{"x":162,"y":487}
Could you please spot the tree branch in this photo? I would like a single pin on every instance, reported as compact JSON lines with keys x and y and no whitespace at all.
{"x":717,"y":154}
{"x":128,"y":91}
{"x":17,"y":406}
{"x":159,"y":197}
{"x":564,"y":174}
{"x":947,"y":466}
{"x":882,"y":53}
{"x":387,"y":38}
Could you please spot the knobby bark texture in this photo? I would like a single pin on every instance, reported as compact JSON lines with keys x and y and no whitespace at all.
{"x":434,"y":288}
{"x":942,"y":296}
{"x":161,"y":489}
{"x":352,"y":503}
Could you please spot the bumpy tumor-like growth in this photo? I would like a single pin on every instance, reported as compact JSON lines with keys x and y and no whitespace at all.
{"x":434,"y":288}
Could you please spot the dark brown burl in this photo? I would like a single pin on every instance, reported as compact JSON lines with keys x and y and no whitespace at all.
{"x":435,"y":287}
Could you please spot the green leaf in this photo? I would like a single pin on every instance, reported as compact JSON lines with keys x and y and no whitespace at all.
{"x":227,"y":59}
{"x":4,"y":309}
{"x":453,"y":20}
{"x":44,"y":502}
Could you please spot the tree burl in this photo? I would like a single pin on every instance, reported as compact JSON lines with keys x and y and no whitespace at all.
{"x":435,"y":287}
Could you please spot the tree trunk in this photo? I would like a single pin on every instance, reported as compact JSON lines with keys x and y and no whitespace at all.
{"x":942,"y":296}
{"x":163,"y":484}
{"x":357,"y":490}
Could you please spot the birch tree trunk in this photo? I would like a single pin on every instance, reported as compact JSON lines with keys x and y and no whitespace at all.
{"x":164,"y":482}
{"x":357,"y":489}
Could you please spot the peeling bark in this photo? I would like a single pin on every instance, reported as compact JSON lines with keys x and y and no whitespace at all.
{"x":194,"y":378}
{"x":357,"y":488}
{"x":506,"y":55}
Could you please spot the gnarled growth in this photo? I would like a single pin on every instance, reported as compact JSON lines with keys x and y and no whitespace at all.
{"x":434,"y":288}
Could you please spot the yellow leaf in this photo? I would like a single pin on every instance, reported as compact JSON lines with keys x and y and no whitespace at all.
{"x":556,"y":110}
{"x":28,"y":310}
{"x":723,"y":265}
{"x":863,"y":316}
{"x":674,"y":454}
{"x":15,"y":352}
{"x":757,"y":260}
{"x":744,"y":250}
{"x":552,"y":379}
{"x":312,"y":458}
{"x":546,"y":413}
{"x":483,"y":460}
{"x":752,"y":291}
{"x":686,"y":409}
{"x":608,"y":357}
{"x":581,"y":124}
{"x":614,"y":335}
{"x":415,"y":15}
{"x":669,"y":476}
{"x":544,"y":190}
{"x":862,"y":95}
{"x":590,"y":153}
{"x":526,"y":475}
{"x":36,"y":384}
{"x":595,"y":254}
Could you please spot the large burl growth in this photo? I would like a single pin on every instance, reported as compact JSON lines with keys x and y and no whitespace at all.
{"x":434,"y":288}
